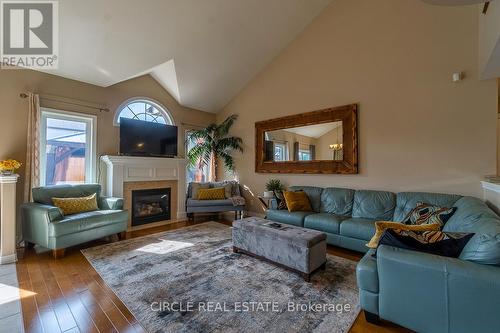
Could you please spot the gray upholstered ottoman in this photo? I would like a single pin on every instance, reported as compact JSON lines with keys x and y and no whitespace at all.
{"x":298,"y":249}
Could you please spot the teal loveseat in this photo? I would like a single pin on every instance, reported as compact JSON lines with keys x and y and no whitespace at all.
{"x":45,"y":225}
{"x":420,"y":291}
{"x":215,"y":206}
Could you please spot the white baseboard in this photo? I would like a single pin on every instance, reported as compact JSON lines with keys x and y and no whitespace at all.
{"x":11,"y":258}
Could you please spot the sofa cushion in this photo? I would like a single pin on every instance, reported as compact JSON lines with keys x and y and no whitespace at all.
{"x":205,"y":203}
{"x":284,"y":216}
{"x":406,"y":201}
{"x":484,"y":247}
{"x":472,"y":215}
{"x":45,"y":194}
{"x":313,"y":193}
{"x":337,"y":201}
{"x":366,"y":272}
{"x":378,"y":205}
{"x":359,"y":228}
{"x":85,"y":221}
{"x":324,"y":222}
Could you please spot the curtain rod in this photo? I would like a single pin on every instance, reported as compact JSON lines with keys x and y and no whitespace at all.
{"x":25,"y":95}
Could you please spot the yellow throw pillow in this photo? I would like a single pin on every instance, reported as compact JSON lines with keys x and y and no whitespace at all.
{"x":297,"y":201}
{"x":381,"y":226}
{"x":195,"y":187}
{"x":70,"y":206}
{"x":217,"y":193}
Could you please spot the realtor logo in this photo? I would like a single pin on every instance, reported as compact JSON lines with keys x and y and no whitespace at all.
{"x":29,"y":32}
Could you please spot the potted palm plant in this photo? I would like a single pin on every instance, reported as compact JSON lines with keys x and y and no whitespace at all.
{"x":274,"y":187}
{"x":214,"y":143}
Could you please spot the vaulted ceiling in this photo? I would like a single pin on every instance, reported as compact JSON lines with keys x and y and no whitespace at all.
{"x":203,"y":52}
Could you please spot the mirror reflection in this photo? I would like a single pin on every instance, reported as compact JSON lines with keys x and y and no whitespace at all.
{"x":305,"y":143}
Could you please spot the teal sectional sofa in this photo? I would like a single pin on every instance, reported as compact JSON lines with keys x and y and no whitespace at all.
{"x":346,"y":216}
{"x":420,"y":291}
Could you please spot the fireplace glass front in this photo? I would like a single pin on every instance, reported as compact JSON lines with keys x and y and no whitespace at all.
{"x":150,"y":206}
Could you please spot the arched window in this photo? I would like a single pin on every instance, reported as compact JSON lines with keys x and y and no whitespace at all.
{"x":143,"y":109}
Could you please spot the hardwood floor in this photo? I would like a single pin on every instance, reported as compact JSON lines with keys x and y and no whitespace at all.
{"x":67,"y":295}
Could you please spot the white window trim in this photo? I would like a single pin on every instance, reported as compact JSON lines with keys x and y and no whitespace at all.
{"x":305,"y":151}
{"x":90,"y":162}
{"x":153,"y":102}
{"x":284,"y":146}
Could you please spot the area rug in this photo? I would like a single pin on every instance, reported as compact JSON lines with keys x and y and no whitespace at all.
{"x":188,"y":280}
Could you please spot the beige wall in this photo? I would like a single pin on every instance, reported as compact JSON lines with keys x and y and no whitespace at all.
{"x":13,"y":109}
{"x":395,"y":58}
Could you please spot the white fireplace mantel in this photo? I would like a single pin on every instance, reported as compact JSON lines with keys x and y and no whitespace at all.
{"x":121,"y":169}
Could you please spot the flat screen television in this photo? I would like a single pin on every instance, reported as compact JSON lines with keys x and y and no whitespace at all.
{"x":143,"y":138}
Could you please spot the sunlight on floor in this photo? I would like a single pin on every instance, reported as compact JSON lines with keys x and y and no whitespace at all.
{"x":165,"y":246}
{"x":9,"y":293}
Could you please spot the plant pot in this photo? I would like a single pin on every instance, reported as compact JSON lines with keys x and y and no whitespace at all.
{"x":7,"y":172}
{"x":268,"y":194}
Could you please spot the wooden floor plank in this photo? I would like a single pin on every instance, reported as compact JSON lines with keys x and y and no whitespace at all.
{"x":61,"y":308}
{"x":107,"y":305}
{"x":31,"y":319}
{"x":80,"y":313}
{"x":68,"y":295}
{"x":118,"y":303}
{"x":100,"y":319}
{"x":42,"y":299}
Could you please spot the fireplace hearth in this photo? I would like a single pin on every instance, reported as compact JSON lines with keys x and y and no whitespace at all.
{"x":151,"y":205}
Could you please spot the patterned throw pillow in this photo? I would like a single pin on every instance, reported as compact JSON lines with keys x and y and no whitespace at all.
{"x":448,"y":244}
{"x":280,"y":200}
{"x":428,"y":214}
{"x":382,"y":226}
{"x":217,"y":193}
{"x":70,"y":206}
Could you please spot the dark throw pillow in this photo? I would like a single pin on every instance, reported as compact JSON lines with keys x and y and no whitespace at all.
{"x":280,"y":200}
{"x":425,"y":213}
{"x":448,"y":244}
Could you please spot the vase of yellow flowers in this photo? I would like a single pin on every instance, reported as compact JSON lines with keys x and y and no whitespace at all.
{"x":7,"y":167}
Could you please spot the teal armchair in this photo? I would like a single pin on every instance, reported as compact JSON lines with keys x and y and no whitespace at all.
{"x":45,"y":225}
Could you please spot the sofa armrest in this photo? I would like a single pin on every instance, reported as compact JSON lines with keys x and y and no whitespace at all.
{"x":36,"y":212}
{"x":110,"y":203}
{"x":36,"y":219}
{"x":452,"y":295}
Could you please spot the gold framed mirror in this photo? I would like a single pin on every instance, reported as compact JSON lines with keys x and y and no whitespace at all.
{"x":323,"y":141}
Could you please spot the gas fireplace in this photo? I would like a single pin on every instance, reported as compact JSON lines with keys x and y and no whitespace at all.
{"x":150,"y":206}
